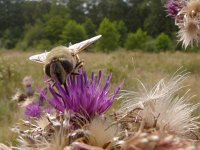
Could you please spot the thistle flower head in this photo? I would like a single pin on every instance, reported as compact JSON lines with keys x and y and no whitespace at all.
{"x":192,"y":9}
{"x":59,"y":141}
{"x":173,"y":7}
{"x":171,"y":115}
{"x":35,"y":107}
{"x":33,"y":110}
{"x":187,"y":18}
{"x":161,"y":108}
{"x":49,"y":133}
{"x":27,"y":81}
{"x":189,"y":33}
{"x":104,"y":135}
{"x":100,"y":134}
{"x":84,"y":96}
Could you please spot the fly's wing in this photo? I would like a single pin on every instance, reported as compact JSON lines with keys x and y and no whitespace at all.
{"x":76,"y":48}
{"x":40,"y":58}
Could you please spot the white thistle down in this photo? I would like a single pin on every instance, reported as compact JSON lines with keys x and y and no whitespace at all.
{"x":189,"y":33}
{"x":188,"y":21}
{"x":161,"y":108}
{"x":160,"y":90}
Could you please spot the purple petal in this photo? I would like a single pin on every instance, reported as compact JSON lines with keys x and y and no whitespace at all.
{"x":82,"y":95}
{"x":33,"y":110}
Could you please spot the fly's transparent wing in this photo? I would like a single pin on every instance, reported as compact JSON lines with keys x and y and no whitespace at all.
{"x":76,"y":48}
{"x":40,"y":58}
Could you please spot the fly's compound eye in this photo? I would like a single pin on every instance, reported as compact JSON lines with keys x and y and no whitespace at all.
{"x":67,"y":65}
{"x":47,"y":70}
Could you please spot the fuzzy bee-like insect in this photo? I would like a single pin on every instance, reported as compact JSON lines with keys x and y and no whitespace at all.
{"x":62,"y":61}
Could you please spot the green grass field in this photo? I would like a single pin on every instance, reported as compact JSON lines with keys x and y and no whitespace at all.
{"x":128,"y":66}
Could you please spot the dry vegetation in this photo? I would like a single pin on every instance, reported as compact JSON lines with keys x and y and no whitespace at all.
{"x":130,"y":66}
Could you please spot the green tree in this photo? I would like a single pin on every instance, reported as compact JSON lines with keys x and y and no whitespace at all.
{"x":121,"y":28}
{"x":16,"y":15}
{"x":89,"y":27}
{"x":59,"y":10}
{"x":7,"y":40}
{"x":136,"y":40}
{"x":137,"y":12}
{"x":53,"y":28}
{"x":33,"y":11}
{"x":76,"y":10}
{"x":98,"y":9}
{"x":11,"y":23}
{"x":156,"y":21}
{"x":163,"y":42}
{"x":110,"y":39}
{"x":33,"y":36}
{"x":73,"y":33}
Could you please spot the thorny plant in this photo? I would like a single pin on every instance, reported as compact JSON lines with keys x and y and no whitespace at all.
{"x":155,"y":119}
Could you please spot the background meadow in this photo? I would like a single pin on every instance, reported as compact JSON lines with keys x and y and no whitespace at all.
{"x":124,"y":65}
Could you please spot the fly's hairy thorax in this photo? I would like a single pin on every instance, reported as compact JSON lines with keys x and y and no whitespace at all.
{"x":60,"y":53}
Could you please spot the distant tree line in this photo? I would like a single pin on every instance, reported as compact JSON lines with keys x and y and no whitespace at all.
{"x":130,"y":24}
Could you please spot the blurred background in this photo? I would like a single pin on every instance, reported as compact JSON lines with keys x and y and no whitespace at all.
{"x":138,"y":42}
{"x":129,"y":24}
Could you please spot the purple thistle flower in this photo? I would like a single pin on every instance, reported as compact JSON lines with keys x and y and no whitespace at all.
{"x":27,"y":82}
{"x":33,"y":110}
{"x":173,"y":7}
{"x":86,"y":97}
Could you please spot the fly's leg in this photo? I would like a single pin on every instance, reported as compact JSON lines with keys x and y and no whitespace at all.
{"x":77,"y":67}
